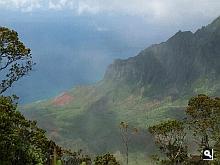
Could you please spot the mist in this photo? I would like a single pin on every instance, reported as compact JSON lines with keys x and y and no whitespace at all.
{"x":75,"y":50}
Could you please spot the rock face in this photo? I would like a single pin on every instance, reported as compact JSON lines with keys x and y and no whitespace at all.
{"x":176,"y":63}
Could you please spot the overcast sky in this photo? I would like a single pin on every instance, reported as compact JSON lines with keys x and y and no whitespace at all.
{"x":152,"y":10}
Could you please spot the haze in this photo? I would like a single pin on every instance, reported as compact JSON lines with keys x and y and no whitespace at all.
{"x":72,"y":42}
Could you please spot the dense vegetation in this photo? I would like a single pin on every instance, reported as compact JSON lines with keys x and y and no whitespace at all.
{"x":21,"y":141}
{"x":202,"y":121}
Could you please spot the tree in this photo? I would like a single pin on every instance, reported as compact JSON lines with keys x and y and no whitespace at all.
{"x":170,"y":138}
{"x":21,"y":141}
{"x":76,"y":158}
{"x":107,"y":159}
{"x":125,"y":134}
{"x":203,"y":118}
{"x":15,"y":58}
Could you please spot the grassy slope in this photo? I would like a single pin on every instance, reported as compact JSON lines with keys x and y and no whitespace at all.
{"x":91,"y":120}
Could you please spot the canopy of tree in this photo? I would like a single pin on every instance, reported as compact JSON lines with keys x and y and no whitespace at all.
{"x":15,"y":58}
{"x":201,"y":126}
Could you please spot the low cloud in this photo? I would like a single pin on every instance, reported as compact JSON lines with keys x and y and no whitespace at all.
{"x":156,"y":10}
{"x":23,"y":5}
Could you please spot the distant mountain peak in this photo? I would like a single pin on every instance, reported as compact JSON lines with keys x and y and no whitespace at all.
{"x":215,"y":25}
{"x":179,"y":62}
{"x":216,"y":21}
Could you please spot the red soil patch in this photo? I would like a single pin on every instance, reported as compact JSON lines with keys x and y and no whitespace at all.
{"x":63,"y":99}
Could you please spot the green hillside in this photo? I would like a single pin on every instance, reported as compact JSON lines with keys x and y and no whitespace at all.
{"x":143,"y":90}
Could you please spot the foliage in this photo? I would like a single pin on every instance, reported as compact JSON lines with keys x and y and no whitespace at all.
{"x":15,"y":58}
{"x":170,"y":136}
{"x":203,"y":114}
{"x":21,"y":141}
{"x":107,"y":159}
{"x":203,"y":119}
{"x":75,"y":158}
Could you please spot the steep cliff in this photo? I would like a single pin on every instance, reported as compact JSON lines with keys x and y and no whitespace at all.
{"x":173,"y":65}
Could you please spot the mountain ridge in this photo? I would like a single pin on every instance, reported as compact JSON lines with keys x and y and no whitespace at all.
{"x":177,"y":62}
